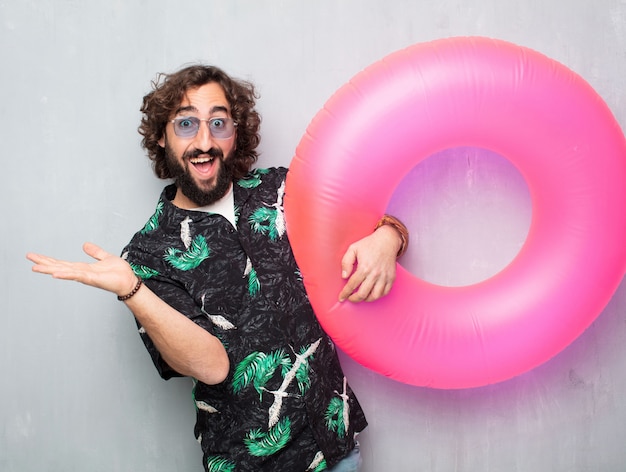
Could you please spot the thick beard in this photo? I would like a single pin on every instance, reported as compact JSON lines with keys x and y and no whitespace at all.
{"x":185,"y":183}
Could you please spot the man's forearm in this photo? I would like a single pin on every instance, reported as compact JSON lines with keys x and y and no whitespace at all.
{"x":186,"y":347}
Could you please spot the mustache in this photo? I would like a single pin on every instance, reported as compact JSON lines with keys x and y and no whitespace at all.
{"x":213,"y":152}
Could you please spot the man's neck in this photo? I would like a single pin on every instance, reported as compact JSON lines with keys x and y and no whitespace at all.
{"x":185,"y":203}
{"x":225,"y":206}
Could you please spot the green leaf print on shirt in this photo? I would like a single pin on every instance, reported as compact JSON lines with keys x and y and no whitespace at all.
{"x":263,"y":221}
{"x":270,"y":219}
{"x":337,"y":413}
{"x":219,"y":464}
{"x":262,"y":444}
{"x":153,"y":222}
{"x":302,"y":371}
{"x":191,"y":258}
{"x":318,"y":464}
{"x":334,"y":417}
{"x":258,"y":368}
{"x":254,"y":180}
{"x":143,"y":272}
{"x":254,"y":284}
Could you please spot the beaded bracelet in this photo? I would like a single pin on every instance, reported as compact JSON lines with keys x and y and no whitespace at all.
{"x":123,"y":298}
{"x":402,"y":231}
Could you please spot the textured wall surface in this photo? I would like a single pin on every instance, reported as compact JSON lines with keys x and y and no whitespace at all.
{"x":79,"y":391}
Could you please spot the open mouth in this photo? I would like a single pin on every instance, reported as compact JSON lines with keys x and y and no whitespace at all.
{"x":202,"y":163}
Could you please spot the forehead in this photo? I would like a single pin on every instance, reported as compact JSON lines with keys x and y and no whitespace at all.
{"x":206,"y":99}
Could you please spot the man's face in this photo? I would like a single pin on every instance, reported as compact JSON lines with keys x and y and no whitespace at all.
{"x":201,"y":165}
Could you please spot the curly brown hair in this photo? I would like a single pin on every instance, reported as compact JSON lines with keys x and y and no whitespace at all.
{"x":168,"y":91}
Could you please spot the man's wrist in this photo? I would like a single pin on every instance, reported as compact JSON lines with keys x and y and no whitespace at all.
{"x":403,"y":232}
{"x":135,"y":289}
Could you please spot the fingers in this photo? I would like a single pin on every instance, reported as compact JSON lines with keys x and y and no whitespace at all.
{"x":370,"y":289}
{"x":367,"y":286}
{"x":347,"y":267}
{"x":361,"y":291}
{"x":380,"y":290}
{"x":43,"y":264}
{"x":347,"y":263}
{"x":50,"y":266}
{"x":108,"y":272}
{"x":35,"y":258}
{"x":60,"y":269}
{"x":348,"y":290}
{"x":369,"y":265}
{"x":362,"y":283}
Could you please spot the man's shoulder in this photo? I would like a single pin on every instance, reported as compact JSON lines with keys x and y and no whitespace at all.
{"x":150,"y":234}
{"x":262,"y":177}
{"x":277,"y":171}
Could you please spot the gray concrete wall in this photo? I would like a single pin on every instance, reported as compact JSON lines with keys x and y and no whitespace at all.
{"x":79,"y":392}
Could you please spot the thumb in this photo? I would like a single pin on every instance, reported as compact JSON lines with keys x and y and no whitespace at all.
{"x":95,"y":251}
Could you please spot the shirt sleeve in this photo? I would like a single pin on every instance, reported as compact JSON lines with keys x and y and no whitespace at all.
{"x":175,"y":295}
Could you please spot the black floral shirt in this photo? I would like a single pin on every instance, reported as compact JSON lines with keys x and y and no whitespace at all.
{"x":285,"y":405}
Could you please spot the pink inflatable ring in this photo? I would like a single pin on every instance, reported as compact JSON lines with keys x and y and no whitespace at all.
{"x":549,"y":123}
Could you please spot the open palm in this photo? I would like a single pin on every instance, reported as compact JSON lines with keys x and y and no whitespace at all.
{"x":109,"y":272}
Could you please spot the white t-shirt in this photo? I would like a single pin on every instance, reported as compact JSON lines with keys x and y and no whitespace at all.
{"x":225,"y":206}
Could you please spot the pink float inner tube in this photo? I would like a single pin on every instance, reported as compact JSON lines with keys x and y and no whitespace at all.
{"x":549,"y":123}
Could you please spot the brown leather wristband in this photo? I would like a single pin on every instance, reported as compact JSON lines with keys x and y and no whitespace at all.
{"x":400,"y":228}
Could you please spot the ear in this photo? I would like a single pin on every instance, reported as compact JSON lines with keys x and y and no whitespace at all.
{"x":161,"y":141}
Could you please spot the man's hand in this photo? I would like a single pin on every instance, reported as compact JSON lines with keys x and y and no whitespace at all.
{"x":375,"y":260}
{"x":109,"y":273}
{"x":187,"y":347}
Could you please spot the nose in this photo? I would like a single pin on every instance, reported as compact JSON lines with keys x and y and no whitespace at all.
{"x":203,"y":139}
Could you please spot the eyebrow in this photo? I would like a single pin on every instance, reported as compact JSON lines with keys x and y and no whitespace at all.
{"x":191,"y":108}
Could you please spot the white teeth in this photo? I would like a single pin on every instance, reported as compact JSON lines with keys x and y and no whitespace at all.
{"x":200,"y":160}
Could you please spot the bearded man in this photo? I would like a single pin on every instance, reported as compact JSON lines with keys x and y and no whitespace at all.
{"x":216,"y":292}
